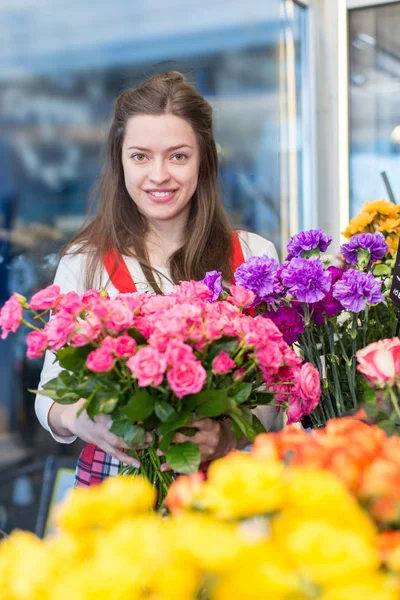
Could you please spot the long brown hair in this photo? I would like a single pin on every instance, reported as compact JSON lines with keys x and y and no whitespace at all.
{"x":118,"y":223}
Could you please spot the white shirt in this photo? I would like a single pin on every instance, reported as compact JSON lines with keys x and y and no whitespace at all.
{"x":70,"y":276}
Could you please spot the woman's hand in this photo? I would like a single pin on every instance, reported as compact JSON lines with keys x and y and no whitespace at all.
{"x":214,"y":438}
{"x":63,"y":420}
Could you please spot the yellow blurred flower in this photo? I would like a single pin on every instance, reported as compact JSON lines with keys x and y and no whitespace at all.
{"x":265,"y":573}
{"x":239,"y":486}
{"x":383,"y":207}
{"x":214,"y":546}
{"x":320,"y":494}
{"x":324,"y":552}
{"x":358,"y":224}
{"x":370,"y":587}
{"x":104,"y":505}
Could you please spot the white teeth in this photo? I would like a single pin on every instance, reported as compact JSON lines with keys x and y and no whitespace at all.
{"x":160,"y":194}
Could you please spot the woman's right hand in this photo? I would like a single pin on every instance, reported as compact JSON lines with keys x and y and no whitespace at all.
{"x":64,"y":421}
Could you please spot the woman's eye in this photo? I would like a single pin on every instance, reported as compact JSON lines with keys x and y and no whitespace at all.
{"x":179,"y":157}
{"x":139,"y":157}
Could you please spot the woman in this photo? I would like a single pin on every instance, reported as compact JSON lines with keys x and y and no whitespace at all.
{"x":160,"y":221}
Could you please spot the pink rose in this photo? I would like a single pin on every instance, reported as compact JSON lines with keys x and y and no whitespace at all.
{"x":178,"y":352}
{"x":100,"y":360}
{"x":242,"y":297}
{"x":59,"y":329}
{"x":133,"y":301}
{"x":148,"y":366}
{"x":377,"y":362}
{"x":119,"y":316}
{"x":10,"y":316}
{"x":239,"y":373}
{"x":84,"y":334}
{"x":222,"y":363}
{"x":193,"y":290}
{"x":187,"y":378}
{"x":71,"y":303}
{"x":308,"y":386}
{"x":37,"y":344}
{"x":124,"y":346}
{"x":295,"y":412}
{"x":46,"y":298}
{"x":269,"y":356}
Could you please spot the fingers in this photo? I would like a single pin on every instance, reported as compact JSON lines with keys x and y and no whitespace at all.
{"x":121,"y":456}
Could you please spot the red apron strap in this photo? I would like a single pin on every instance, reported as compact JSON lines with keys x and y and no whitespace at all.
{"x":118,"y":272}
{"x":237,"y":258}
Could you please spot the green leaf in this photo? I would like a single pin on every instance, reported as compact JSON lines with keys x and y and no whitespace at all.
{"x":244,"y":426}
{"x":164,"y":411}
{"x":243,"y":392}
{"x":86,"y":387}
{"x":381,"y":270}
{"x":184,"y":458}
{"x":182,"y":419}
{"x":263,"y":398}
{"x":236,"y":430}
{"x":137,"y":336}
{"x":139,"y":407}
{"x":188,"y":431}
{"x":227,"y":344}
{"x":212,"y":403}
{"x":73,"y":359}
{"x":106,"y":402}
{"x":166,"y":441}
{"x":257,"y":425}
{"x":52,"y":393}
{"x":120,"y":426}
{"x":134,"y":436}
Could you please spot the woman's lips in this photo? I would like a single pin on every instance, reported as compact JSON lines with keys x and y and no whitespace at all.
{"x":160,"y":196}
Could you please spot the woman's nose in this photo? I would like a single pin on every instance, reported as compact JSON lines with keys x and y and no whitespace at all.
{"x":159,"y":172}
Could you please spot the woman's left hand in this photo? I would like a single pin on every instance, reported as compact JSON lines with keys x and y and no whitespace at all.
{"x":214,"y":438}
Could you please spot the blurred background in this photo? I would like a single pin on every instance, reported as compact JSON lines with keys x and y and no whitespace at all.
{"x":307,"y":116}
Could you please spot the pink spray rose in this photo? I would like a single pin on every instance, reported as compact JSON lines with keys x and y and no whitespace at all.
{"x":308,"y":386}
{"x":119,"y":317}
{"x":46,"y":298}
{"x":295,"y":410}
{"x":71,"y":303}
{"x":37,"y":344}
{"x":59,"y":329}
{"x":178,"y":352}
{"x":241,"y":296}
{"x":187,"y":378}
{"x":10,"y":316}
{"x":100,"y":360}
{"x":148,"y":365}
{"x":222,"y":363}
{"x":124,"y":346}
{"x":377,"y":362}
{"x":85,"y":333}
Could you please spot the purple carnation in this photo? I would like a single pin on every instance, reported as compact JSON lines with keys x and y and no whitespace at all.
{"x":356,"y":289}
{"x":288,"y":321}
{"x":328,"y":306}
{"x":368,"y":246}
{"x":307,"y":241}
{"x":259,"y":274}
{"x":213,"y":280}
{"x":306,"y":279}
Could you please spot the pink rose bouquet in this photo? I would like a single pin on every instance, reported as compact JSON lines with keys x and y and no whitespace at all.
{"x":157,"y":363}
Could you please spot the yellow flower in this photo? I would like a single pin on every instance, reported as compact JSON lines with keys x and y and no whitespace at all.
{"x":324,"y":552}
{"x":320,"y":494}
{"x":383,"y":207}
{"x":239,"y":486}
{"x":358,"y":224}
{"x":369,"y":587}
{"x":265,"y":573}
{"x":212,"y":545}
{"x":106,"y":504}
{"x":389,"y":225}
{"x":27,"y":568}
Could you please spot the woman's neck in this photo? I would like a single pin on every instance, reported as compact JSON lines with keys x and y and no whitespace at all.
{"x":162,"y":240}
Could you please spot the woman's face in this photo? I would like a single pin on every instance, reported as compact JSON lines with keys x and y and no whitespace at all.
{"x":161,"y":161}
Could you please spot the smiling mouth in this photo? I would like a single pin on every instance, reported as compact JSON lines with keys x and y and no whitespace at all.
{"x":161,"y":195}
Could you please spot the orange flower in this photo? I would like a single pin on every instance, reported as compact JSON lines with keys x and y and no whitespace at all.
{"x":380,"y":479}
{"x":385,"y":510}
{"x":389,"y":549}
{"x":265,"y":446}
{"x":183,"y":491}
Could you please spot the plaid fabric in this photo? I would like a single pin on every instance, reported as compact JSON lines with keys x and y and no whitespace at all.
{"x":94,"y":465}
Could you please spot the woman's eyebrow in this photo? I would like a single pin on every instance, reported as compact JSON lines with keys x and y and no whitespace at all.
{"x":168,"y":149}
